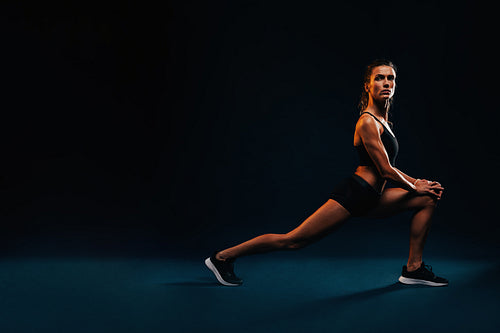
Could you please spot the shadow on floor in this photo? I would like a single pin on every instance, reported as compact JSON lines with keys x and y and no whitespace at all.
{"x":200,"y":282}
{"x":361,"y":295}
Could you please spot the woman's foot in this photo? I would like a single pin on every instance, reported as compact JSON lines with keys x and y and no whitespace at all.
{"x":223,"y":270}
{"x":423,"y":275}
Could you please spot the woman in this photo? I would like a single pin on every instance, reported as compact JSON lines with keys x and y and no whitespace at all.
{"x":362,"y":194}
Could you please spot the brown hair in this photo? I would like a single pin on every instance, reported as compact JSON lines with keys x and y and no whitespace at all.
{"x":363,"y":101}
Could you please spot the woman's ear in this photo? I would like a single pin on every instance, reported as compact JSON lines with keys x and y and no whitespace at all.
{"x":367,"y":87}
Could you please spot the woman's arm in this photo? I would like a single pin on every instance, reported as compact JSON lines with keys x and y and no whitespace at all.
{"x":408,"y":178}
{"x":437,"y":190}
{"x":370,"y":135}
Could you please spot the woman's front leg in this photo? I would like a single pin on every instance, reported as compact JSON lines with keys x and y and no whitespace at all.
{"x":419,"y":229}
{"x":397,"y":200}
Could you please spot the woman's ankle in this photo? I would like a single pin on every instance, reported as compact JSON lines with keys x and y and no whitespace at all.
{"x":220,"y":257}
{"x":413,"y":266}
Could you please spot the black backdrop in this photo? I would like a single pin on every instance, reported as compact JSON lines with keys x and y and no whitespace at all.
{"x":189,"y":119}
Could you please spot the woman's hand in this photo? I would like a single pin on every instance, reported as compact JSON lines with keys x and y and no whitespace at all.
{"x":427,"y":187}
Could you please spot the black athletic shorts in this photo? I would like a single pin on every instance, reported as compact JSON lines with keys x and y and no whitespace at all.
{"x":355,"y":195}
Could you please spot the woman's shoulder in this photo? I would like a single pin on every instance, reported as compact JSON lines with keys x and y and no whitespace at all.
{"x":366,"y":123}
{"x":365,"y":119}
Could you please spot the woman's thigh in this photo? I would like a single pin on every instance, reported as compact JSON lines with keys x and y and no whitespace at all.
{"x":397,"y":200}
{"x":323,"y":221}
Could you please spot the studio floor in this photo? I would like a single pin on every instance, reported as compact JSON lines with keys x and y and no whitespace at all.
{"x":312,"y":290}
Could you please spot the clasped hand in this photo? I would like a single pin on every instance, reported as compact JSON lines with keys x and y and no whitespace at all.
{"x":427,"y":187}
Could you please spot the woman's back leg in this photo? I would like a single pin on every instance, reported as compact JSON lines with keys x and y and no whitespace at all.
{"x":323,"y":221}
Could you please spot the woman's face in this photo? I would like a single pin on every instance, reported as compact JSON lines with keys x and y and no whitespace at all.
{"x":382,"y":83}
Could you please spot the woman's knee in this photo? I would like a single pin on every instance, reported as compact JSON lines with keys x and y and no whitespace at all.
{"x":428,"y":201}
{"x":290,"y":242}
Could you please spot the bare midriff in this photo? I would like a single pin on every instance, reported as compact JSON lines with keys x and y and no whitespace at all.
{"x":371,"y":176}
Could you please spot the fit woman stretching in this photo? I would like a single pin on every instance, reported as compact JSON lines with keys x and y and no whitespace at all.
{"x":362,"y":194}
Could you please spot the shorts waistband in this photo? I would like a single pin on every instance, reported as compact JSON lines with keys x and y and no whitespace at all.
{"x":365,"y":184}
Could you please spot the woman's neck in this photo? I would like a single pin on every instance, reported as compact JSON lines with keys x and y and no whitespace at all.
{"x":378,"y":109}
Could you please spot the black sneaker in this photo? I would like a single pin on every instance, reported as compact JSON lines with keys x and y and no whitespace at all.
{"x":423,"y":275}
{"x":223,"y":271}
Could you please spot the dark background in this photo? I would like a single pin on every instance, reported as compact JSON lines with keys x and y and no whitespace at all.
{"x":128,"y":126}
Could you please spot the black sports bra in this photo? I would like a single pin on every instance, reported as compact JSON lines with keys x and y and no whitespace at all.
{"x":390,"y":143}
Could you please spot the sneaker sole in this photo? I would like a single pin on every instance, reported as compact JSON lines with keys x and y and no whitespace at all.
{"x":406,"y":280}
{"x":214,"y":270}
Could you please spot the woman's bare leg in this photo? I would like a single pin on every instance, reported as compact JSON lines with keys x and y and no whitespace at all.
{"x":419,"y":229}
{"x":322,"y":222}
{"x":396,"y":200}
